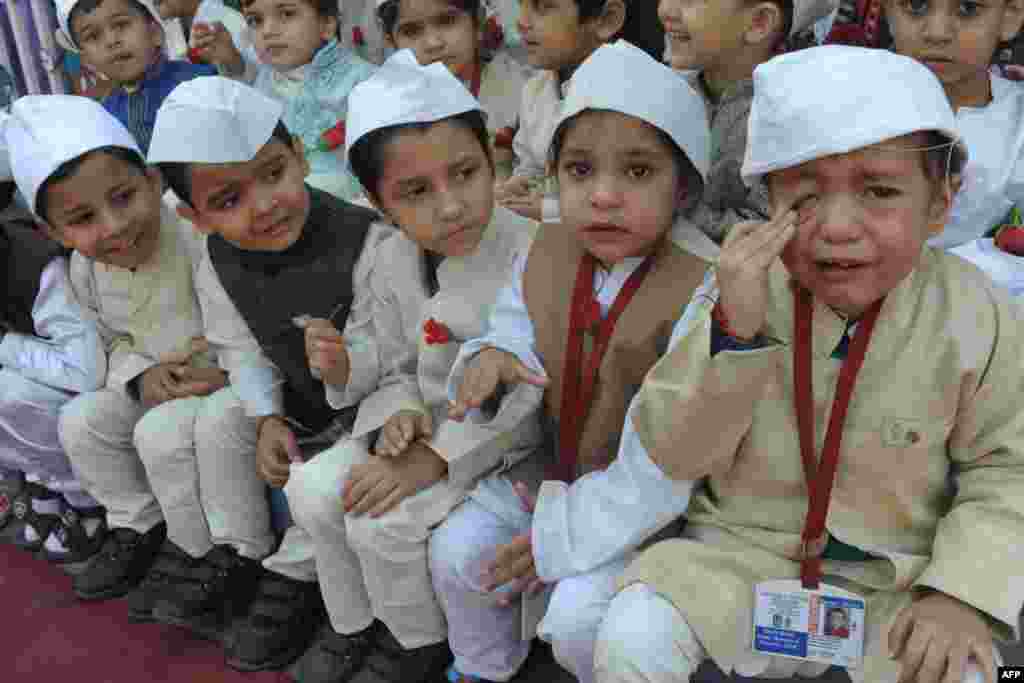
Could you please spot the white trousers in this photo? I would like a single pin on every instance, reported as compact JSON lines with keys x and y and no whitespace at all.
{"x":645,"y":639}
{"x":200,"y":457}
{"x":29,"y":440}
{"x":486,"y":638}
{"x":371,"y":567}
{"x":96,"y":431}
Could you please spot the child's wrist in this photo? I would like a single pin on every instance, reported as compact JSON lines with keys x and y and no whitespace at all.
{"x":721,"y":318}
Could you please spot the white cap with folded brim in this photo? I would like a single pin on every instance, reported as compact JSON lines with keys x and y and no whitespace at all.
{"x":401,"y":91}
{"x":657,"y":95}
{"x":45,"y":131}
{"x":821,"y":101}
{"x":65,"y":7}
{"x":806,"y":13}
{"x":213,"y":120}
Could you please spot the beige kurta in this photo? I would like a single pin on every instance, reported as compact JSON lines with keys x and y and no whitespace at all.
{"x":414,"y":373}
{"x":937,"y":401}
{"x":149,"y":313}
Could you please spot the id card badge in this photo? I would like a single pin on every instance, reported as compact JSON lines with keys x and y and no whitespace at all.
{"x":824,"y":625}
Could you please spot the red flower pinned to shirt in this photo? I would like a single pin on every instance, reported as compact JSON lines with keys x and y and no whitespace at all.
{"x":333,"y":138}
{"x":195,"y":55}
{"x":435,"y":332}
{"x":357,"y":36}
{"x":503,"y":137}
{"x":494,"y":35}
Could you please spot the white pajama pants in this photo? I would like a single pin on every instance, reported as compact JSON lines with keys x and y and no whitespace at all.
{"x":645,"y":639}
{"x":200,"y":457}
{"x":29,"y":440}
{"x":371,"y":568}
{"x":96,"y":430}
{"x":486,"y":638}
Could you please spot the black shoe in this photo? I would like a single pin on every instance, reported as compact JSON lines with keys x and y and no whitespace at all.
{"x":283,"y":617}
{"x":10,"y":487}
{"x":78,"y":545}
{"x":389,"y":662}
{"x":144,"y":597}
{"x":205,"y":594}
{"x":41,"y":524}
{"x":334,"y":657}
{"x":121,"y":564}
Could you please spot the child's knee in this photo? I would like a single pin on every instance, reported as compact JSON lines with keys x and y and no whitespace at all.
{"x":165,"y":428}
{"x":314,"y":496}
{"x":454,"y":559}
{"x":82,"y":415}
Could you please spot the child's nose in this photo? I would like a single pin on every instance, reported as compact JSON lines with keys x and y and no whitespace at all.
{"x":838,"y":219}
{"x":938,"y":26}
{"x":451,"y":205}
{"x":605,"y":194}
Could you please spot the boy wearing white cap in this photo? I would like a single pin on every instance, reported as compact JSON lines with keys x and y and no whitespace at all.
{"x":616,"y":274}
{"x":84,"y":178}
{"x":281,"y":271}
{"x":302,"y":64}
{"x":909,"y":519}
{"x":49,"y":351}
{"x":418,"y":143}
{"x":989,"y":110}
{"x":123,"y":39}
{"x":718,"y":44}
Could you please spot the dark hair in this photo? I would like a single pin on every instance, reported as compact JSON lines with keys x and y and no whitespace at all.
{"x":7,"y":189}
{"x":387,"y":13}
{"x":177,"y":174}
{"x":325,"y":8}
{"x":942,"y":160}
{"x":367,"y":155}
{"x":688,"y":173}
{"x":89,"y":6}
{"x":70,"y":168}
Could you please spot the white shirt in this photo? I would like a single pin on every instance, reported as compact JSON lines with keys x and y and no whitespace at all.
{"x":604,"y":514}
{"x":994,"y":176}
{"x":67,"y":354}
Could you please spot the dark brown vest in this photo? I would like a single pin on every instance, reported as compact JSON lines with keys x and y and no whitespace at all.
{"x":641,"y":335}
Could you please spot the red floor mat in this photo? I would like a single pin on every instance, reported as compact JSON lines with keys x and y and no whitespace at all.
{"x":46,"y":635}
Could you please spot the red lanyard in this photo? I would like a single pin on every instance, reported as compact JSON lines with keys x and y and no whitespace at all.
{"x":578,"y":388}
{"x":821,"y":476}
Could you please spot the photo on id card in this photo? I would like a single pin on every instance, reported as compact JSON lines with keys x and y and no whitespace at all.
{"x":823,"y":625}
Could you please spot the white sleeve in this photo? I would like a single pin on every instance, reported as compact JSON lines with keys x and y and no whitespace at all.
{"x":68,"y":352}
{"x":259,"y":383}
{"x":606,"y":514}
{"x":509,"y":328}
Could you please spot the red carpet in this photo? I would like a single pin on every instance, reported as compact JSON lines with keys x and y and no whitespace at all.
{"x":47,"y":635}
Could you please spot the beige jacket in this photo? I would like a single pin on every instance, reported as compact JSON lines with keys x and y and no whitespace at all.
{"x":414,"y":373}
{"x":149,"y":314}
{"x":937,"y":402}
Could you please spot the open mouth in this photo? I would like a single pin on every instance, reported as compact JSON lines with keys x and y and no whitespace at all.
{"x":123,"y":245}
{"x":677,"y":36}
{"x":122,"y":58}
{"x":839,"y":266}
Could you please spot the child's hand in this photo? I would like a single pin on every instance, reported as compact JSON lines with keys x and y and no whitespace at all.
{"x":486,"y":371}
{"x":530,"y":206}
{"x":402,"y":429}
{"x":935,"y":637}
{"x":514,"y":563}
{"x":382,"y":483}
{"x":276,"y":449}
{"x":190,"y":381}
{"x":516,"y":186}
{"x":214,"y":45}
{"x":325,"y":349}
{"x":158,"y":385}
{"x":747,"y":255}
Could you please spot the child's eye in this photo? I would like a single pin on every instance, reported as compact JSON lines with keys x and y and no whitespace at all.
{"x":577,"y":169}
{"x":969,"y":9}
{"x":414,"y":191}
{"x":253,"y":21}
{"x":917,"y":8}
{"x":639,"y":171}
{"x":410,"y":31}
{"x":228,"y":201}
{"x":448,"y":19}
{"x":287,"y":13}
{"x":882,"y":192}
{"x":275,"y":174}
{"x":124,"y":197}
{"x":466,"y":172}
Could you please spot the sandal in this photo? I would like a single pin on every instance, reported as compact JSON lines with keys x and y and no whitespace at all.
{"x":40,"y":523}
{"x":71,"y":534}
{"x":9,"y":490}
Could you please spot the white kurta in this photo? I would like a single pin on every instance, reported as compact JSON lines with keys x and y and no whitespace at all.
{"x":993,"y":179}
{"x":582,"y":532}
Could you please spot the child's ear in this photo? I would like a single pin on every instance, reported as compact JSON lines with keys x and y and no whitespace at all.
{"x":300,"y":152}
{"x":1013,"y":19}
{"x":54,"y":234}
{"x":328,"y":28}
{"x":611,"y":20}
{"x":942,"y":204}
{"x":765,"y":22}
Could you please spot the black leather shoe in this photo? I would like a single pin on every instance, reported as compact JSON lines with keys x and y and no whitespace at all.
{"x":121,"y":564}
{"x":335,"y":657}
{"x":389,"y":662}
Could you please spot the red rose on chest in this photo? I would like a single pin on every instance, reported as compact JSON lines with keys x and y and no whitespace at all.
{"x":435,"y":332}
{"x":333,"y":138}
{"x":503,"y":137}
{"x":357,"y":36}
{"x":195,"y":55}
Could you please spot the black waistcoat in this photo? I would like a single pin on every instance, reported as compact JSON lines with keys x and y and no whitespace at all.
{"x":312,"y":277}
{"x":24,"y":253}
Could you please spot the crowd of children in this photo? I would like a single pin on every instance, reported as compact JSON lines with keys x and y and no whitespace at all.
{"x":534,"y":344}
